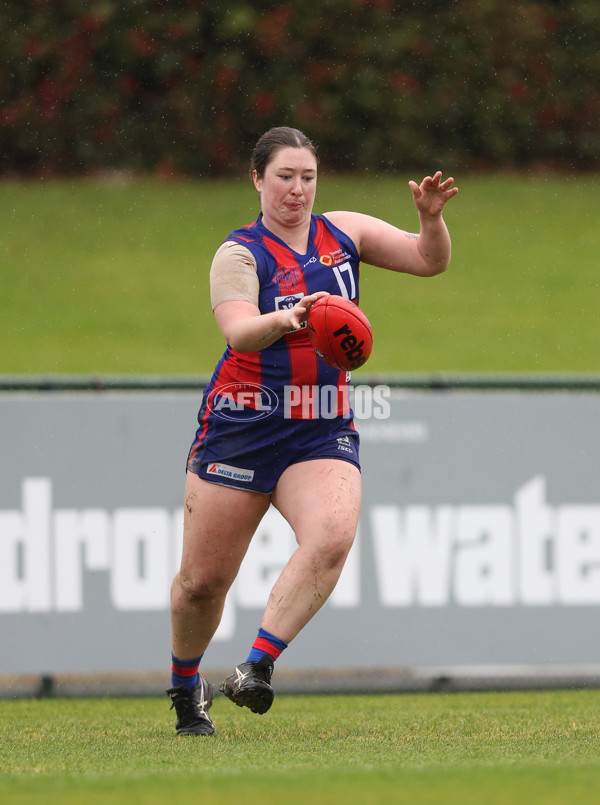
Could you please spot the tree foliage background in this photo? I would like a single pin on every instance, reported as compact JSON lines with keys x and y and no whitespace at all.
{"x":186,"y":86}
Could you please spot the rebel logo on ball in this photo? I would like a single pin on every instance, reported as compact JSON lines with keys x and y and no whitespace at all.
{"x":349,"y":343}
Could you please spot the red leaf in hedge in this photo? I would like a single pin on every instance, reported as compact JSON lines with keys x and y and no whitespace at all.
{"x":226,"y":79}
{"x":51,"y":95}
{"x":403,"y":83}
{"x":262,"y":103}
{"x":142,"y":43}
{"x":90,"y":23}
{"x":272,"y":32}
{"x":104,"y":132}
{"x":32,"y":45}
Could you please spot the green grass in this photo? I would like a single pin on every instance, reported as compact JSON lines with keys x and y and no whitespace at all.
{"x":101,"y":277}
{"x":539,"y":748}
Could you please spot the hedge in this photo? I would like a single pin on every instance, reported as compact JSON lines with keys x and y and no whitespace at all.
{"x":186,"y":86}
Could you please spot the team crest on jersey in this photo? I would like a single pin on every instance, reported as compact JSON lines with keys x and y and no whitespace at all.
{"x":288,"y":278}
{"x":287,"y":302}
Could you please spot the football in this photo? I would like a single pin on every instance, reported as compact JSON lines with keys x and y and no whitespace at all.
{"x":340,"y":332}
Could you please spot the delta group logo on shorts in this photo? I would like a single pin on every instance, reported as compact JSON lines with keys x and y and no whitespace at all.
{"x":227,"y":471}
{"x":248,"y":400}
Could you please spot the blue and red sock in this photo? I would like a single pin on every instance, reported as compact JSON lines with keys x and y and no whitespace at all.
{"x":266,"y":643}
{"x":185,"y":672}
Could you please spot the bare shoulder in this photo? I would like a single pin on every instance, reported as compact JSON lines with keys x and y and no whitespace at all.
{"x":365,"y":230}
{"x":352,"y":223}
{"x":342,"y":218}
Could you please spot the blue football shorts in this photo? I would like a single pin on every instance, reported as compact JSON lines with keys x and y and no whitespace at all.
{"x":252,"y":454}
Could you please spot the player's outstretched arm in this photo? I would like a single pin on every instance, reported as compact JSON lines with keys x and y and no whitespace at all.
{"x":425,"y":253}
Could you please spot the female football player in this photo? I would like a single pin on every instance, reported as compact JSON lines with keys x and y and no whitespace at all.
{"x":258,"y":444}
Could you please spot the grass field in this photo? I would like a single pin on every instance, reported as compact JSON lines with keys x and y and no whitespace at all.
{"x":538,"y":748}
{"x":111,"y":277}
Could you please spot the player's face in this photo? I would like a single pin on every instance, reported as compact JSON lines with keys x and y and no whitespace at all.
{"x":287,"y":189}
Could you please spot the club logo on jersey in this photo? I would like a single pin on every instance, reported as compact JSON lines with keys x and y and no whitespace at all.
{"x":283,"y":302}
{"x":287,"y":278}
{"x":227,"y":471}
{"x":247,"y":401}
{"x":288,"y":302}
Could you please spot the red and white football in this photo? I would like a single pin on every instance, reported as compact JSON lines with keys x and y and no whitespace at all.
{"x":340,"y":332}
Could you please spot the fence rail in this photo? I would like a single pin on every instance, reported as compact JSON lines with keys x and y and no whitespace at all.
{"x":427,"y":382}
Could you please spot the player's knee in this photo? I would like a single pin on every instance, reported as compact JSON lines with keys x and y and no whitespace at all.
{"x":202,"y":589}
{"x":334,"y":549}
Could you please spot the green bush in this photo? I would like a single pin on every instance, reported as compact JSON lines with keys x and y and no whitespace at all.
{"x":186,"y":86}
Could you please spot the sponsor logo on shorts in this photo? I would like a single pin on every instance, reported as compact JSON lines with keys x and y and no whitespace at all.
{"x":344,"y":444}
{"x":227,"y":471}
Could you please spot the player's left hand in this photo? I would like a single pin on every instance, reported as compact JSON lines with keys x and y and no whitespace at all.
{"x":432,"y":194}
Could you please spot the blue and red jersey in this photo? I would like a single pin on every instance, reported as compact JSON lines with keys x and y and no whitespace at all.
{"x":331,"y":264}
